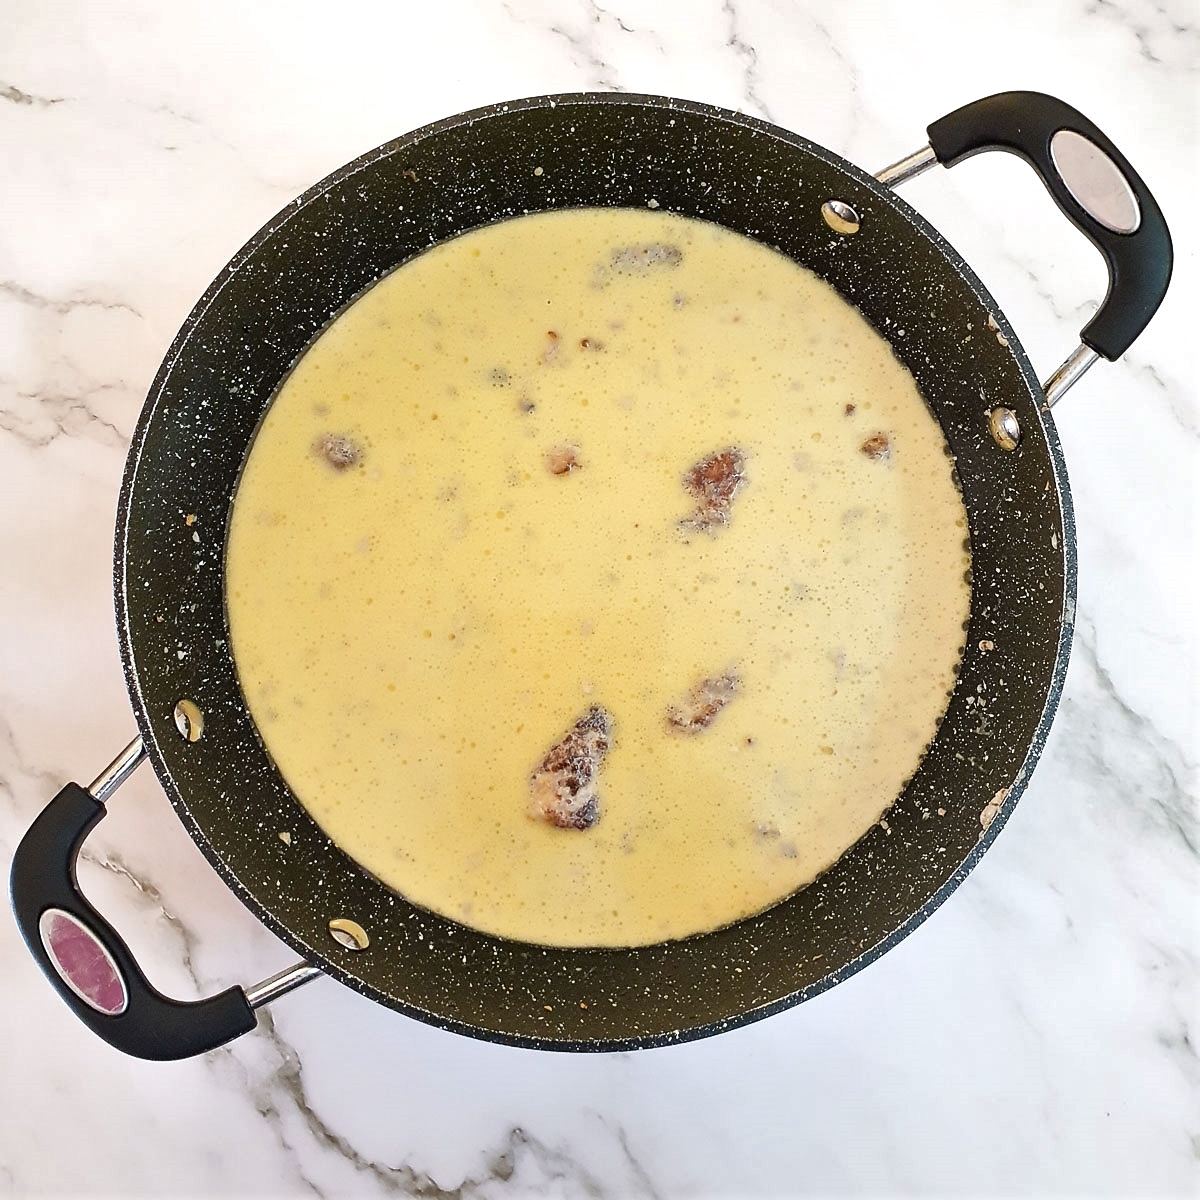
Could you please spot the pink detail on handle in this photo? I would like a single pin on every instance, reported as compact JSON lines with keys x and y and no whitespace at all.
{"x":82,"y":962}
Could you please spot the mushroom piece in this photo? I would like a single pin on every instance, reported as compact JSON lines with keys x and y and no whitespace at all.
{"x":337,"y":450}
{"x":714,"y":481}
{"x":699,"y":708}
{"x":641,"y":258}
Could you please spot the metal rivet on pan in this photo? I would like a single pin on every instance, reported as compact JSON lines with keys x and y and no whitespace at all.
{"x":840,"y":217}
{"x":1006,"y":429}
{"x":189,"y":720}
{"x":349,"y":933}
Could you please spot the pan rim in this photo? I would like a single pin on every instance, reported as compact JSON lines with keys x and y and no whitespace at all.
{"x":140,"y":704}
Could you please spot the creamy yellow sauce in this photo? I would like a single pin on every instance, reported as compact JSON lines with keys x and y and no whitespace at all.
{"x":465,"y":522}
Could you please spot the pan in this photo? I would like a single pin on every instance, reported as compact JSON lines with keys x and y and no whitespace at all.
{"x":324,"y":250}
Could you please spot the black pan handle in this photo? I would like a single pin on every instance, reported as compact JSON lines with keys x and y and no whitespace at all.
{"x":85,"y":958}
{"x":1093,"y":183}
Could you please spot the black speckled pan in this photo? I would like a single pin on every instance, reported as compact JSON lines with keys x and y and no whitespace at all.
{"x":315,"y":258}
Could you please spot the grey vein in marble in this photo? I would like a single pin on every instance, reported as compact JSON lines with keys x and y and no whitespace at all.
{"x":585,"y":54}
{"x":749,"y":56}
{"x":1161,"y":39}
{"x":853,"y":89}
{"x":1077,"y":312}
{"x":22,"y":295}
{"x":52,"y":415}
{"x":38,"y":416}
{"x":47,"y":783}
{"x":285,"y":1086}
{"x":605,"y":14}
{"x":1161,"y":774}
{"x":1177,"y":1040}
{"x":603,"y":73}
{"x":521,"y":1163}
{"x":1185,"y":414}
{"x":635,"y":1165}
{"x":115,"y":865}
{"x":16,"y":96}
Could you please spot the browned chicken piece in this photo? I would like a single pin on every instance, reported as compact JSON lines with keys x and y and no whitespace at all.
{"x":563,"y":788}
{"x":878,"y":446}
{"x":699,"y":708}
{"x":562,"y":460}
{"x":339,"y":451}
{"x":714,"y":482}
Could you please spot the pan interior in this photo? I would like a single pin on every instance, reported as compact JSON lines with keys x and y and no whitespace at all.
{"x":608,"y":466}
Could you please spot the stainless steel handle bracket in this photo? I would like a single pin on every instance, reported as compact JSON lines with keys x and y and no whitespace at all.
{"x":117,"y":771}
{"x":281,"y":983}
{"x":908,"y":168}
{"x":1079,"y":360}
{"x":272,"y":988}
{"x":1072,"y":369}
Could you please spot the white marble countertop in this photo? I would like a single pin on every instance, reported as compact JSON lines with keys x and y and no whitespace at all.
{"x":1037,"y":1036}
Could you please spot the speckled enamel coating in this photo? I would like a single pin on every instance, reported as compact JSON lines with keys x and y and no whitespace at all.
{"x":321,"y":252}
